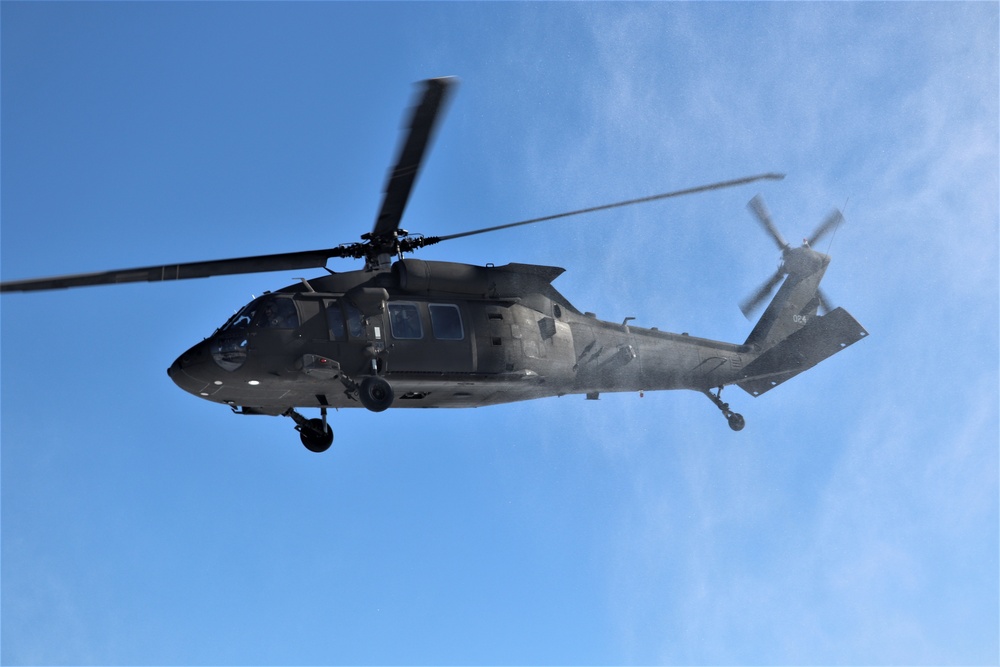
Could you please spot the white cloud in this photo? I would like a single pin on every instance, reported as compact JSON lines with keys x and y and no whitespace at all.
{"x":887,"y":105}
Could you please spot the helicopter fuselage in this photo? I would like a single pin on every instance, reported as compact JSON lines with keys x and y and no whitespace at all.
{"x":442,"y":335}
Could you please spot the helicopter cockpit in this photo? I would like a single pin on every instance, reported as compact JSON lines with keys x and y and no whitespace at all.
{"x":229,"y":343}
{"x":269,"y":311}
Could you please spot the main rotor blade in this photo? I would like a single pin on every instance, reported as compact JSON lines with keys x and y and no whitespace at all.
{"x":764,"y":217}
{"x":261,"y":263}
{"x":423,"y":119}
{"x":629,"y":202}
{"x":832,"y":220}
{"x":750,"y":304}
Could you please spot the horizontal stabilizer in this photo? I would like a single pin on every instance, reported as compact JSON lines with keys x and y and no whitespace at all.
{"x":822,"y":337}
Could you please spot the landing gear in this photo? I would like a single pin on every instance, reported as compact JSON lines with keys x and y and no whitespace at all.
{"x":735,"y":419}
{"x":315,"y":434}
{"x":375,"y":393}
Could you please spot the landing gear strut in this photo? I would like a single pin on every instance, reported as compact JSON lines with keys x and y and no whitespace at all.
{"x":315,"y":434}
{"x":735,"y":419}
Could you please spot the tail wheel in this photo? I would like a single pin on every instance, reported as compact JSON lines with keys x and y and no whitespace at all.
{"x":736,"y":421}
{"x":375,"y":393}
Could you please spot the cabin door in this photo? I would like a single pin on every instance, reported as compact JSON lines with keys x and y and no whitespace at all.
{"x":429,"y":337}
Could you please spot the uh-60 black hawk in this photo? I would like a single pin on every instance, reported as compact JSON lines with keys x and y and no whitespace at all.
{"x":421,"y":334}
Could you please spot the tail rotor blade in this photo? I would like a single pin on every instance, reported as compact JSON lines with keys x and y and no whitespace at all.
{"x":764,"y":217}
{"x":824,"y":302}
{"x":832,"y":220}
{"x":751,"y":303}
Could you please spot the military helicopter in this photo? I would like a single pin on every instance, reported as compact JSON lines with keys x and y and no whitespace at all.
{"x":404,"y":332}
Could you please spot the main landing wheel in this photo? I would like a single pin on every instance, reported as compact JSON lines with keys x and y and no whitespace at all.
{"x":375,"y":393}
{"x":315,"y":435}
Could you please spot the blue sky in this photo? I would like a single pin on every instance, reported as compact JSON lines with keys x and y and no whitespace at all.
{"x":854,"y":520}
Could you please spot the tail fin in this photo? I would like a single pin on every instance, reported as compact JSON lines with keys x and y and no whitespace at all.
{"x":796,"y":302}
{"x":790,"y":336}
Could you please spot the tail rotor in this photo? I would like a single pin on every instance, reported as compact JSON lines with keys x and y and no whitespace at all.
{"x":791,"y":257}
{"x":764,"y":218}
{"x":752,"y":302}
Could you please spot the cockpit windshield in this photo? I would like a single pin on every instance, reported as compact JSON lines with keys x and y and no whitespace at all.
{"x":274,"y":312}
{"x":242,"y":318}
{"x":230,"y":343}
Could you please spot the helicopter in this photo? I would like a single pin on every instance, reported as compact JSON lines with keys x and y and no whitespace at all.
{"x":408,"y":333}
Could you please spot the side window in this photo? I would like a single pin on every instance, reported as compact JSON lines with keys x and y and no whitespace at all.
{"x":335,"y":321}
{"x":278,"y":313}
{"x":355,"y":326}
{"x":446,"y":321}
{"x":404,"y":319}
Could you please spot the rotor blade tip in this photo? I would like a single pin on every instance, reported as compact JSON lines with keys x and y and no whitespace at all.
{"x":443,"y":81}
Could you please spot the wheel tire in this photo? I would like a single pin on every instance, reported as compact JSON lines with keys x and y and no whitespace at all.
{"x":375,"y":393}
{"x":315,"y":438}
{"x":736,"y":421}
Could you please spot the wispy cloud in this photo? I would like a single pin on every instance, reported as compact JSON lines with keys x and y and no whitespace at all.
{"x":896,"y":107}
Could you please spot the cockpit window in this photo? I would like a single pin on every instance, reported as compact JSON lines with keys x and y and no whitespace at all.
{"x":229,"y":344}
{"x":335,"y":321}
{"x":242,"y":319}
{"x":277,"y":313}
{"x":355,"y":326}
{"x":229,"y":351}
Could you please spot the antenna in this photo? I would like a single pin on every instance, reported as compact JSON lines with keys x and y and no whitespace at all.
{"x":837,"y":226}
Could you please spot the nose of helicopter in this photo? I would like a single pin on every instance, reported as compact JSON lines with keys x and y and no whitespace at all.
{"x":188,"y":370}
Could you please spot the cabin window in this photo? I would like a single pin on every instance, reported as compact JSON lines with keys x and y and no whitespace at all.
{"x":335,"y":321}
{"x":446,"y":321}
{"x":404,"y":320}
{"x":277,"y":313}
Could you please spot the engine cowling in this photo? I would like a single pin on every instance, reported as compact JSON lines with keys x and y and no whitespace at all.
{"x":418,"y":276}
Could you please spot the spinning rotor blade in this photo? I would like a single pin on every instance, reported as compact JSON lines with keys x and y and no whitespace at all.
{"x":421,"y":126}
{"x":411,"y":154}
{"x":307,"y":259}
{"x":629,"y":202}
{"x":261,"y":263}
{"x":756,"y":205}
{"x":764,"y":217}
{"x":751,"y":303}
{"x":832,"y":220}
{"x":824,"y":302}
